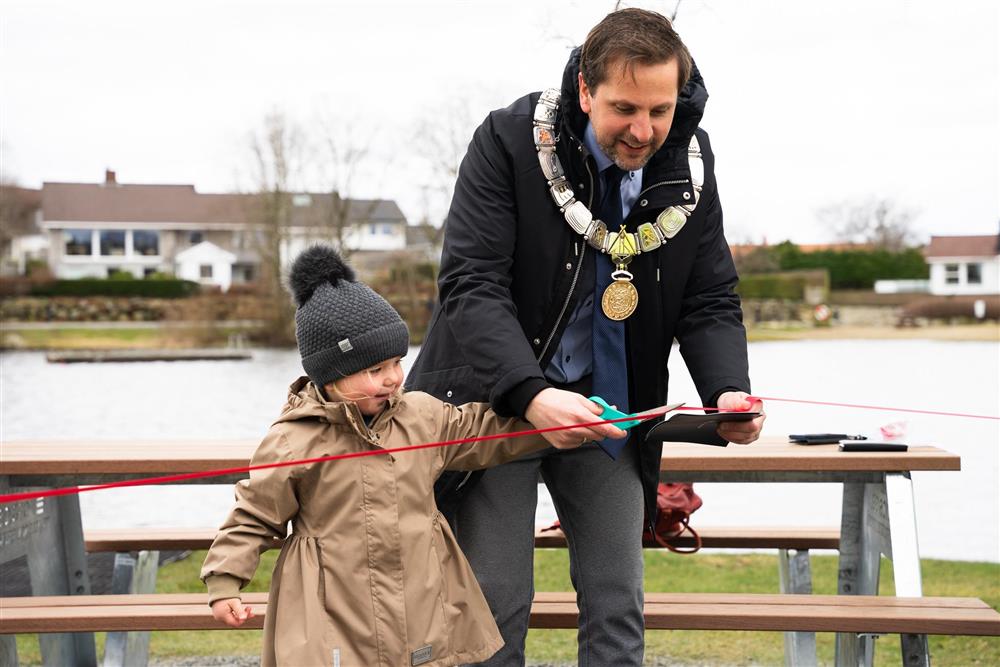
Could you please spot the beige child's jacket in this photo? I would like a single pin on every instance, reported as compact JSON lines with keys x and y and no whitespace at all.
{"x":370,"y":573}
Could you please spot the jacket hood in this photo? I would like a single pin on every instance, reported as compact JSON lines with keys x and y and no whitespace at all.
{"x":306,"y":402}
{"x":690,"y":103}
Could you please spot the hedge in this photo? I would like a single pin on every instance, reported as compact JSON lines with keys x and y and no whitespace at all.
{"x":812,"y":285}
{"x":161,"y":288}
{"x":855,"y":269}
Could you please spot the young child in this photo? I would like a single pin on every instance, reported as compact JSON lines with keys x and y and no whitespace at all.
{"x":370,"y":572}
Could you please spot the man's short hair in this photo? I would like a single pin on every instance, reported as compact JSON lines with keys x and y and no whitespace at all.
{"x":635,"y":36}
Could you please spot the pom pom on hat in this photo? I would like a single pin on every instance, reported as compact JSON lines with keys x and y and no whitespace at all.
{"x":318,"y":265}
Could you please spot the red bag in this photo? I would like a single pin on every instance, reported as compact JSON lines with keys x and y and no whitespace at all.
{"x":675,"y":503}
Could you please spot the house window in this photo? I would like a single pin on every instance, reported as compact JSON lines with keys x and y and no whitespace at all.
{"x":974,"y":274}
{"x":77,"y":241}
{"x":146,"y":243}
{"x":112,"y":242}
{"x":301,"y":200}
{"x":372,"y":230}
{"x":388,"y":230}
{"x":951,"y":274}
{"x":205,"y":270}
{"x":194,"y":238}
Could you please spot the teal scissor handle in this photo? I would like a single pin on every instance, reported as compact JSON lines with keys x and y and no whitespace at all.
{"x":611,"y":413}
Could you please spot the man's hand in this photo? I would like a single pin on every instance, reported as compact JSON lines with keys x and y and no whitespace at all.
{"x":231,"y":612}
{"x":555,"y":407}
{"x":741,"y":433}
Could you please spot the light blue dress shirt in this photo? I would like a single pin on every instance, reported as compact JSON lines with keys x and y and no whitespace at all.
{"x":574,"y":357}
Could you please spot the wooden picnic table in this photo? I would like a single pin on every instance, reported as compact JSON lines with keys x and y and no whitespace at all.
{"x":878,"y":516}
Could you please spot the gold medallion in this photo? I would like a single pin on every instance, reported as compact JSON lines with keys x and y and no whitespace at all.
{"x":620,"y":297}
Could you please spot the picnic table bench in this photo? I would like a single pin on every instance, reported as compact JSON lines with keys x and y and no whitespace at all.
{"x":663,"y":611}
{"x":878,"y":518}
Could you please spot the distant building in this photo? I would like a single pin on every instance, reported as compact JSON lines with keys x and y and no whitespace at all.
{"x":96,"y":229}
{"x":964,"y":264}
{"x":423,"y":240}
{"x":207,"y":264}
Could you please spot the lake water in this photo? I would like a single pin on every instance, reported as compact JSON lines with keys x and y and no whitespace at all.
{"x":958,"y":513}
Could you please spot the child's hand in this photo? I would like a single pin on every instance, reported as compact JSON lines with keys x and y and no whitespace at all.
{"x":231,"y":612}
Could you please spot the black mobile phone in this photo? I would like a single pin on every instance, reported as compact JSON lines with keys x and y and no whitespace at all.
{"x":852,"y":446}
{"x":822,"y":438}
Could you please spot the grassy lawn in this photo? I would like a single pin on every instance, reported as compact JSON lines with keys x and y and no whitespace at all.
{"x":114,"y":339}
{"x":986,"y":331}
{"x":751,"y":573}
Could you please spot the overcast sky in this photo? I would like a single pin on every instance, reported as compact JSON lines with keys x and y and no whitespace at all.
{"x":810,"y":103}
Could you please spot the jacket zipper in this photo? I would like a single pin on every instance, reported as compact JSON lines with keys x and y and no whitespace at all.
{"x":576,"y":276}
{"x":364,"y":429}
{"x":680,"y":181}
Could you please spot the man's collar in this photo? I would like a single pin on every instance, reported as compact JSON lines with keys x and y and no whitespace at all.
{"x":590,"y":141}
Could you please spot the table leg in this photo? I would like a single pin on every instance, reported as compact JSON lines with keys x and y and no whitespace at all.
{"x":860,"y":558}
{"x":131,"y":576}
{"x":795,"y":576}
{"x":57,"y":565}
{"x":8,"y":651}
{"x":906,"y":559}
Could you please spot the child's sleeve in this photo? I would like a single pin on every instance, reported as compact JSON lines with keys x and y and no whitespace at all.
{"x":264,"y":504}
{"x":478,"y":419}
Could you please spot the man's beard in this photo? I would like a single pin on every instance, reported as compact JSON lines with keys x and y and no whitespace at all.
{"x":626,"y":162}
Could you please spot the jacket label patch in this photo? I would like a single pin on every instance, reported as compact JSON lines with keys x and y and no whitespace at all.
{"x":421,"y":655}
{"x":345,"y":345}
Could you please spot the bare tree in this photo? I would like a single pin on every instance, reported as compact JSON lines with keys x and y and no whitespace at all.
{"x":345,"y":160}
{"x":879,"y":222}
{"x":440,"y":140}
{"x":279,"y":152}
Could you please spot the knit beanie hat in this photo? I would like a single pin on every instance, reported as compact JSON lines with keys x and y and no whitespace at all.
{"x":342,"y":326}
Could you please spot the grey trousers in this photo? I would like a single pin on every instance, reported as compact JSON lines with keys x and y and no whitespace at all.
{"x":600,"y":507}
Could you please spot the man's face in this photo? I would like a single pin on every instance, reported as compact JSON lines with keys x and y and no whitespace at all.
{"x":631,"y":111}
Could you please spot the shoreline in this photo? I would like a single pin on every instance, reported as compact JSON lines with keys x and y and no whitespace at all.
{"x":55,"y":336}
{"x":988,"y":332}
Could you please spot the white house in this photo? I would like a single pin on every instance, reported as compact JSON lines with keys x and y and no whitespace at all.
{"x":97,"y":229}
{"x":964,"y":264}
{"x":207,"y":264}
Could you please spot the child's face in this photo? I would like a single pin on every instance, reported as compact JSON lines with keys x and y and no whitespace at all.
{"x":370,"y":388}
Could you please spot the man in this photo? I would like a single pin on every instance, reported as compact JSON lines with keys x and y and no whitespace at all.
{"x":540,"y":307}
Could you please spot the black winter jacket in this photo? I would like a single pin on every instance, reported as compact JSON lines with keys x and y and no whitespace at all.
{"x":512,"y":272}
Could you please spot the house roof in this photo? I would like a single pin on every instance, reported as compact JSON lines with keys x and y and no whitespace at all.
{"x":115,"y":202}
{"x":963,"y":246}
{"x":203,"y":252}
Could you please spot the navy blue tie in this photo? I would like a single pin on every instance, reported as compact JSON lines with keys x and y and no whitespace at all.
{"x":610,"y":371}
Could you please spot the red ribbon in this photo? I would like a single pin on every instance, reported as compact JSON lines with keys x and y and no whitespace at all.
{"x":145,"y":481}
{"x":871,"y":407}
